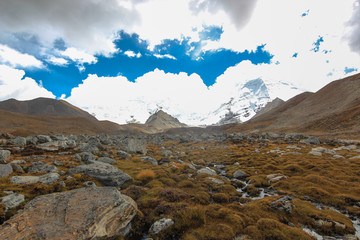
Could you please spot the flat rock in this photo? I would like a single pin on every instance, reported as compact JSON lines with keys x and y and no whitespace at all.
{"x":103,"y":172}
{"x":216,"y":181}
{"x":160,"y":225}
{"x":282,"y":204}
{"x":85,"y":213}
{"x":5,"y":170}
{"x":4,"y":156}
{"x":122,"y":154}
{"x":13,"y":200}
{"x":49,"y":178}
{"x":40,"y":167}
{"x":240,"y":174}
{"x":207,"y":171}
{"x":275,"y":177}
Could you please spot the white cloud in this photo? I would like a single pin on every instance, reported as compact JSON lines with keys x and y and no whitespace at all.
{"x":79,"y":56}
{"x":14,"y":85}
{"x":132,"y":54}
{"x":88,"y":25}
{"x":58,"y":61}
{"x":164,"y":56}
{"x":14,"y":58}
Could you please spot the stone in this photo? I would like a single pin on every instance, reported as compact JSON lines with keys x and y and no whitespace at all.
{"x":166,"y":152}
{"x":282,"y":204}
{"x":24,"y":179}
{"x":85,"y":147}
{"x":216,"y":181}
{"x":275,"y":177}
{"x":52,"y":146}
{"x":103,"y":172}
{"x":150,"y":159}
{"x":238,"y":183}
{"x":17,"y":168}
{"x":13,"y":200}
{"x":58,"y":163}
{"x":5,"y":170}
{"x":355,"y":157}
{"x":163,"y":161}
{"x":122,"y":154}
{"x":207,"y":171}
{"x":43,"y":139}
{"x":240,"y":174}
{"x":106,"y":160}
{"x":315,"y":153}
{"x":18,"y":162}
{"x":89,"y":184}
{"x":49,"y":178}
{"x":85,"y":213}
{"x":40,"y":167}
{"x":311,"y":140}
{"x":4,"y":156}
{"x":136,"y":146}
{"x":19,"y":141}
{"x":87,"y":157}
{"x":160,"y":225}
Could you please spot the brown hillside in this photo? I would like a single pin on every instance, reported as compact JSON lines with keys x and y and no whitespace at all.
{"x":333,"y":110}
{"x":44,"y":107}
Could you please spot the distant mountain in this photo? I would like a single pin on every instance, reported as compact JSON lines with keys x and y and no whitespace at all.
{"x":248,"y":99}
{"x":334,"y":109}
{"x":44,"y":107}
{"x":160,"y":120}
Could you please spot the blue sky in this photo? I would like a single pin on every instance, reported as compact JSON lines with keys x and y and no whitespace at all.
{"x":98,"y":53}
{"x":208,"y":65}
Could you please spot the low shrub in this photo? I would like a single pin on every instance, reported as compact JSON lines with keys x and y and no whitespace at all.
{"x":146,"y":175}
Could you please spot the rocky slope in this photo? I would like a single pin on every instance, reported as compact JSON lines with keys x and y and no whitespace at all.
{"x":160,"y":120}
{"x":191,"y":186}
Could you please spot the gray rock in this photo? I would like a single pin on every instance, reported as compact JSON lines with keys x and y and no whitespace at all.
{"x":62,"y":183}
{"x":282,"y":204}
{"x":43,"y":139}
{"x":85,"y":213}
{"x":58,"y":163}
{"x":216,"y":181}
{"x":355,"y":157}
{"x":103,"y":172}
{"x":4,"y":156}
{"x":122,"y":154}
{"x":85,"y":147}
{"x":150,"y":159}
{"x":24,"y":179}
{"x":338,"y":156}
{"x":106,"y":160}
{"x":160,"y":225}
{"x":49,"y":178}
{"x":12,"y":200}
{"x":40,"y":167}
{"x":240,"y":174}
{"x":275,"y":177}
{"x":17,"y":168}
{"x":19,"y":141}
{"x":311,"y":140}
{"x":136,"y":146}
{"x":5,"y":170}
{"x":87,"y":157}
{"x":191,"y":166}
{"x":207,"y":171}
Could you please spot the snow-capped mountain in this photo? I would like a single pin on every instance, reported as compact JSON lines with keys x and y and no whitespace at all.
{"x":217,"y":105}
{"x":250,"y":98}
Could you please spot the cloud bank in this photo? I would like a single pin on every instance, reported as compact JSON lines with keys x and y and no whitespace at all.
{"x":14,"y":85}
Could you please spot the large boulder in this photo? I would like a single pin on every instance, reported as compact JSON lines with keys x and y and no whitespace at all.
{"x":136,"y":146}
{"x":86,"y":213}
{"x":103,"y":172}
{"x":4,"y":156}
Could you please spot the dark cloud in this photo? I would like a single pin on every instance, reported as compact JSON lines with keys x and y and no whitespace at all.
{"x":239,"y":10}
{"x":23,"y":43}
{"x":354,"y":37}
{"x":88,"y":24}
